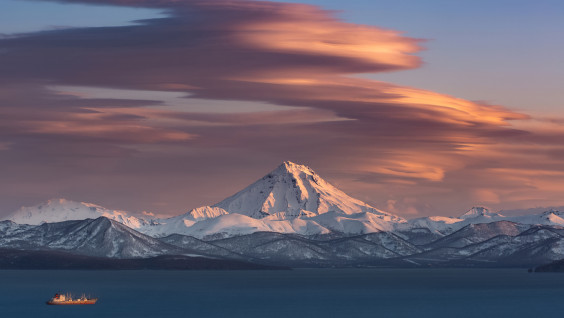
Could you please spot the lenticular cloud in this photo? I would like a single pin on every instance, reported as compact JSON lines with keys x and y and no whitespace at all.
{"x":394,"y":143}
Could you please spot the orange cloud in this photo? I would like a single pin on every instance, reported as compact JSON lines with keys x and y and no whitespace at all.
{"x":303,"y":29}
{"x":386,"y":143}
{"x":127,"y":133}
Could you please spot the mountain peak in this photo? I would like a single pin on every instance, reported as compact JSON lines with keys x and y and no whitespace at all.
{"x":478,"y":211}
{"x":293,"y":168}
{"x":58,"y":210}
{"x":295,"y":190}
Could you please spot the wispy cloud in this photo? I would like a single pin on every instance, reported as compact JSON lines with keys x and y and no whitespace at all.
{"x":385,"y":143}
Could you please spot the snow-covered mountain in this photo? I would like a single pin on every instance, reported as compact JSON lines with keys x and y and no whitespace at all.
{"x":442,"y":225}
{"x":58,"y":210}
{"x":291,"y":217}
{"x":182,"y":223}
{"x":475,"y":233}
{"x":479,"y":213}
{"x":295,"y":250}
{"x":291,"y":191}
{"x":291,"y":199}
{"x":234,"y":224}
{"x":501,"y":243}
{"x":93,"y":237}
{"x":8,"y":227}
{"x":550,"y":217}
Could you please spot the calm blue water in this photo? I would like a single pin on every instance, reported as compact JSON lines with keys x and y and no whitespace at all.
{"x":294,"y":294}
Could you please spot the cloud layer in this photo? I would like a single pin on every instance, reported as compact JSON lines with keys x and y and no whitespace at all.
{"x":400,"y":148}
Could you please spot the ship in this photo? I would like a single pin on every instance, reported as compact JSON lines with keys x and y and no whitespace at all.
{"x":60,"y":299}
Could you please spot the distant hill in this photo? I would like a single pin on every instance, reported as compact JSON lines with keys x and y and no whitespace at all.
{"x":18,"y":259}
{"x":556,"y":266}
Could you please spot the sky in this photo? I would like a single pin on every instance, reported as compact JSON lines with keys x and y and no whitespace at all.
{"x":416,"y":107}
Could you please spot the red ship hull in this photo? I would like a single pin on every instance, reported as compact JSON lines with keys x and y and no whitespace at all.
{"x":73,"y":302}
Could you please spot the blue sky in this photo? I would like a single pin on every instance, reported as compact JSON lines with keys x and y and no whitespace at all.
{"x":101,"y":114}
{"x":18,"y":16}
{"x":502,"y":51}
{"x":508,"y":50}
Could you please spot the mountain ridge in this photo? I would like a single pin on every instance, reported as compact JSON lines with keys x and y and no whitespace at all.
{"x":500,"y":243}
{"x":291,"y":199}
{"x":57,"y":210}
{"x":289,"y":217}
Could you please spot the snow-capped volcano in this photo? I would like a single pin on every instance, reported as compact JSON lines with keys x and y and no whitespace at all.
{"x":290,"y":199}
{"x":58,"y":210}
{"x":262,"y":220}
{"x":291,"y":191}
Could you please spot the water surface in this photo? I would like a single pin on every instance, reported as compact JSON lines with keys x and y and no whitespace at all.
{"x":297,"y":293}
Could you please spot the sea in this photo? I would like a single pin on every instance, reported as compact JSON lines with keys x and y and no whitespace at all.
{"x":287,"y":293}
